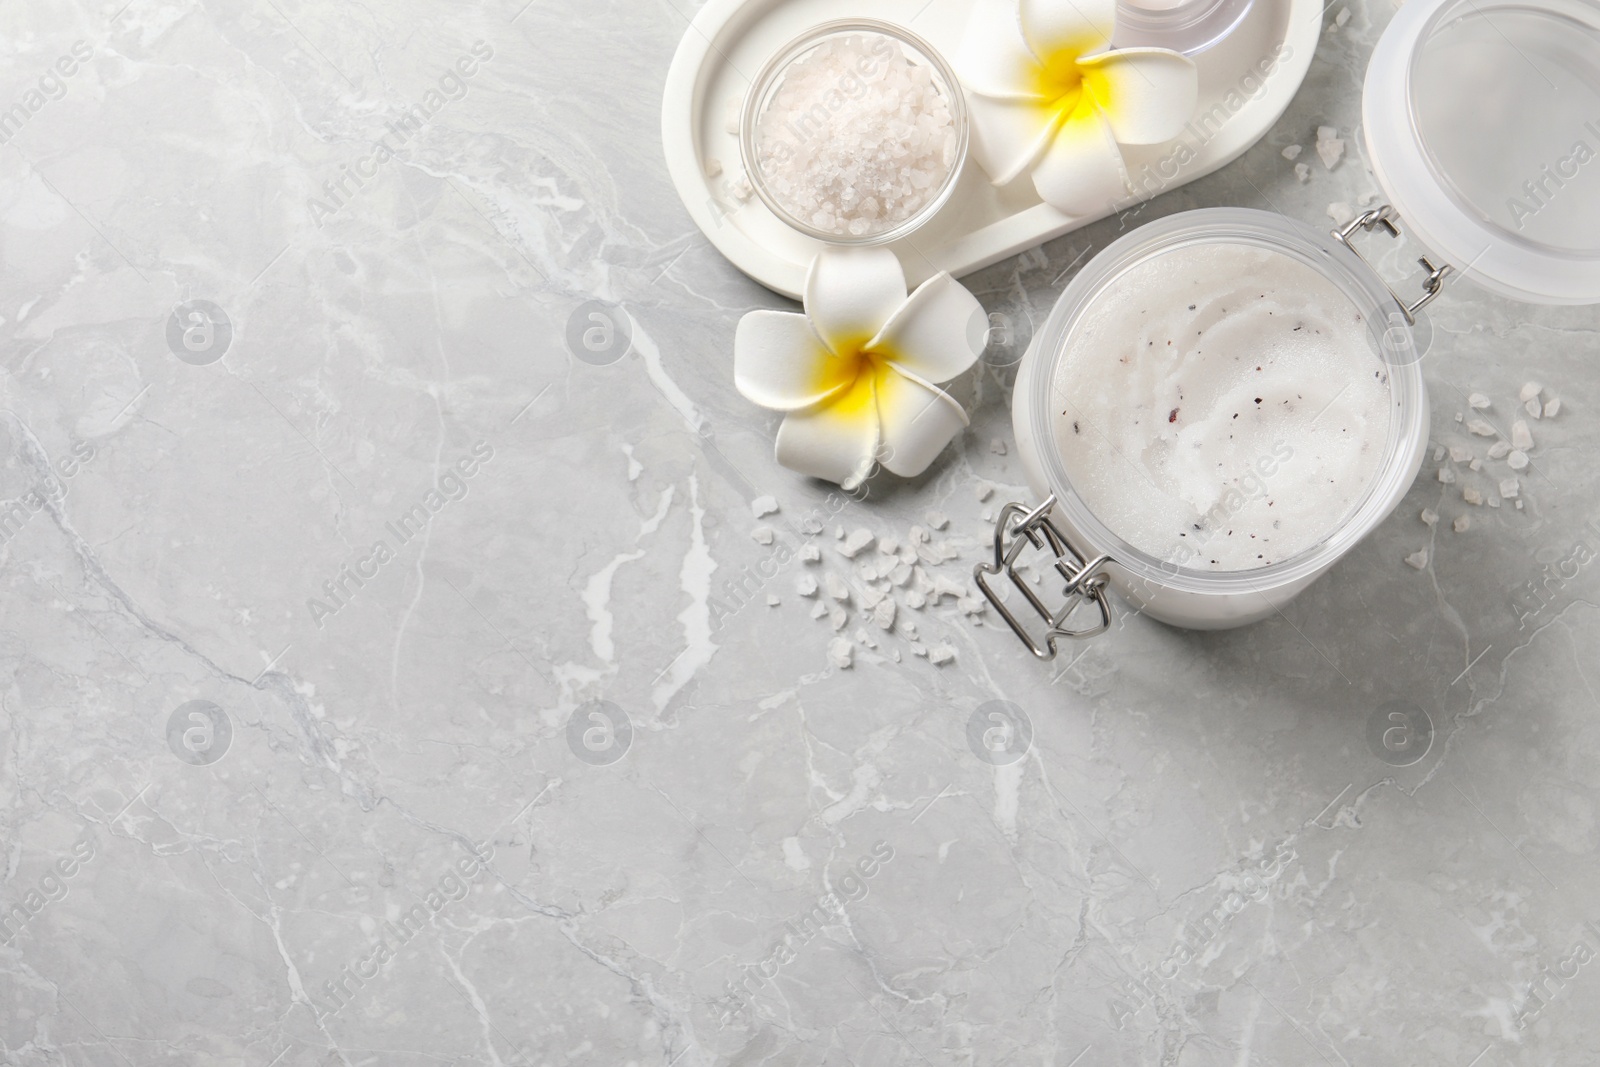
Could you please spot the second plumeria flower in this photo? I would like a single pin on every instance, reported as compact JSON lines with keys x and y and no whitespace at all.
{"x":1052,"y":98}
{"x":858,"y":374}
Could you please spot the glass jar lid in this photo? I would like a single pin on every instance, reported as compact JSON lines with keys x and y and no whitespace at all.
{"x":1483,"y":124}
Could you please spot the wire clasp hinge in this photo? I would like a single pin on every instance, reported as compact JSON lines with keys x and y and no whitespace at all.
{"x":1385,"y":216}
{"x":1085,"y":581}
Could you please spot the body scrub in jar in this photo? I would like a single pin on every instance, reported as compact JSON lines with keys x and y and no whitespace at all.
{"x":1222,"y":407}
{"x":854,"y":133}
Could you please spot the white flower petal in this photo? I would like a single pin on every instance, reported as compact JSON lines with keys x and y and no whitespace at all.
{"x":780,"y":363}
{"x":850,"y":293}
{"x":1009,"y":136}
{"x":1146,"y":94}
{"x":1054,"y":26}
{"x":938,"y":332}
{"x":994,"y":60}
{"x":918,"y":422}
{"x":1083,"y":172}
{"x":836,"y":440}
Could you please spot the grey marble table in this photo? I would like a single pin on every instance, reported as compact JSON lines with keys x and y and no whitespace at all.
{"x":386,"y":684}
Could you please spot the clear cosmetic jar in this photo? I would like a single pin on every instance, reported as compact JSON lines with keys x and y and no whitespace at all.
{"x":770,"y":79}
{"x":1187,"y":26}
{"x":1201,"y":599}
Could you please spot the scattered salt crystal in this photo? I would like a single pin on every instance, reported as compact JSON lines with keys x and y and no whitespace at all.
{"x":740,"y":188}
{"x":1552,"y":408}
{"x":835,"y":586}
{"x":1292,"y":153}
{"x":972,"y":605}
{"x":1342,"y":17}
{"x":713,"y":167}
{"x":1438,"y":453}
{"x":762,"y":534}
{"x":1519,"y":505}
{"x":1498,"y":449}
{"x":810,"y":553}
{"x":937,"y":520}
{"x":883,"y":614}
{"x":1534,"y":408}
{"x":1460,"y":453}
{"x":841,"y":653}
{"x":818,"y":610}
{"x":943,"y":587}
{"x":1481,"y":428}
{"x":1520,"y":437}
{"x":1530,"y":390}
{"x":1330,"y":146}
{"x":858,"y":540}
{"x":773,"y":601}
{"x":1494,"y":501}
{"x":865,"y":638}
{"x":860,"y":161}
{"x":918,"y":535}
{"x":901,"y":574}
{"x":1509,"y":487}
{"x":806,"y":585}
{"x":1459,"y":416}
{"x":984,"y":491}
{"x":731,"y":107}
{"x":838,"y":533}
{"x":1418,"y":559}
{"x":763,"y":506}
{"x":1340,"y":212}
{"x":1472,"y":496}
{"x":1461,"y":524}
{"x":1517,"y":461}
{"x":1476,"y":465}
{"x":838,"y":617}
{"x":987,"y":515}
{"x":941,"y":654}
{"x":810,"y":526}
{"x":918,"y":649}
{"x":870,"y":597}
{"x":997,"y":446}
{"x":1477,"y":401}
{"x":1447,"y":476}
{"x":1430,"y":516}
{"x":1302,"y":173}
{"x":929,"y":555}
{"x":915,"y":600}
{"x":888,"y":545}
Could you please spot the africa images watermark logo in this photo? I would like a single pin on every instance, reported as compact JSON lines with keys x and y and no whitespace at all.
{"x":51,"y":85}
{"x":353,"y":177}
{"x":352,"y":577}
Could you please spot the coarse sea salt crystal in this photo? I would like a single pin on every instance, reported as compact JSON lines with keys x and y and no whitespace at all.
{"x":1518,"y":460}
{"x":1481,"y":428}
{"x":1330,"y":146}
{"x":1340,"y":212}
{"x":1430,"y":516}
{"x":763,"y":506}
{"x":1529,"y":391}
{"x":1447,"y":476}
{"x":1477,"y":401}
{"x":1302,"y":173}
{"x":1552,"y":408}
{"x":860,"y":163}
{"x":1472,"y":496}
{"x":1521,"y":438}
{"x":1460,"y":453}
{"x":1509,"y":487}
{"x":1498,"y":449}
{"x":1418,"y":559}
{"x":1461,"y":524}
{"x":1533,"y":408}
{"x":1292,"y":153}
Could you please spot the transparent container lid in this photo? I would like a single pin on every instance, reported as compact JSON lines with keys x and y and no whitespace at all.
{"x":1482,"y":119}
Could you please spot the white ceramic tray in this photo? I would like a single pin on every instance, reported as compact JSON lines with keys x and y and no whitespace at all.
{"x":729,"y":40}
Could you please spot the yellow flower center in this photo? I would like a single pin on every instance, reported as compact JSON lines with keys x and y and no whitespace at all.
{"x":1062,"y":81}
{"x":854,"y":375}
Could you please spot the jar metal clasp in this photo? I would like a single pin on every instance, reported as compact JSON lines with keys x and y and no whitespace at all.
{"x":1385,"y":216}
{"x":1085,"y":581}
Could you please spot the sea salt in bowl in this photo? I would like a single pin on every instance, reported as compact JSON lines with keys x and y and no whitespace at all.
{"x":855,"y":132}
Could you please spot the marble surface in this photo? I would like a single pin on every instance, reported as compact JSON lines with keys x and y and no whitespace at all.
{"x":386,"y":684}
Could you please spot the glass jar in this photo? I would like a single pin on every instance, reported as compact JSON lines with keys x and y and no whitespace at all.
{"x":770,"y":79}
{"x":1187,"y":26}
{"x":1482,"y":123}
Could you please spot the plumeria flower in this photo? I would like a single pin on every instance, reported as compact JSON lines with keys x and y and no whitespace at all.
{"x":1050,"y":96}
{"x":858,"y":374}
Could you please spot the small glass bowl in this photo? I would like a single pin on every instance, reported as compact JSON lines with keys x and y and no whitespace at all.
{"x":770,"y":79}
{"x":1187,"y":26}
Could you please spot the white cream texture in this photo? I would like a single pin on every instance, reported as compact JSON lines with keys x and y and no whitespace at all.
{"x":1220,"y":406}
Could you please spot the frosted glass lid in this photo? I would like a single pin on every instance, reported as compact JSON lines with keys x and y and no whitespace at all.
{"x":1483,"y":122}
